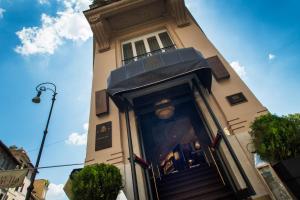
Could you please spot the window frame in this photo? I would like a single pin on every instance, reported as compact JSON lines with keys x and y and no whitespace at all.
{"x":144,"y":38}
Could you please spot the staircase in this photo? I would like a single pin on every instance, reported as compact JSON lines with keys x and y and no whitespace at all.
{"x":198,"y":183}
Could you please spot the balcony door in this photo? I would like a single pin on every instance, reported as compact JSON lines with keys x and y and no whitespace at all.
{"x":146,"y":45}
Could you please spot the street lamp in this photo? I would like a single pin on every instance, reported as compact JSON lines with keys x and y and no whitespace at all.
{"x":41,"y":88}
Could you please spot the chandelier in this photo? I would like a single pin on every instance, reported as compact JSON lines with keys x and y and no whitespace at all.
{"x":164,"y":109}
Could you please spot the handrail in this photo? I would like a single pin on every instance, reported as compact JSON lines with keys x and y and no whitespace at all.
{"x":154,"y":180}
{"x":147,"y":54}
{"x":223,"y":167}
{"x":132,"y":163}
{"x":141,"y":162}
{"x":146,"y":166}
{"x":222,"y":135}
{"x":216,"y":141}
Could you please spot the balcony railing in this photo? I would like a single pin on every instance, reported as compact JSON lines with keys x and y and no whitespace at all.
{"x":151,"y":53}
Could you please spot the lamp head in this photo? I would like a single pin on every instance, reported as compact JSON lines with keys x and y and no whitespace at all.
{"x":37,"y":98}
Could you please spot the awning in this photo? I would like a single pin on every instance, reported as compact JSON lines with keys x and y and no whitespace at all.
{"x":157,"y":69}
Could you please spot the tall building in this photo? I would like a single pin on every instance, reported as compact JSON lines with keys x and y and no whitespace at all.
{"x":166,"y":106}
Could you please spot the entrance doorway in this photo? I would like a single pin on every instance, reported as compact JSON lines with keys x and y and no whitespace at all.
{"x":175,"y":141}
{"x":173,"y":135}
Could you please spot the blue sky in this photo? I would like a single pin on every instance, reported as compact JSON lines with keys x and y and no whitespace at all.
{"x":50,"y":40}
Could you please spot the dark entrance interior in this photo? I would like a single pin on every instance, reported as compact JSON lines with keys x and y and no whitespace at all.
{"x":175,"y":141}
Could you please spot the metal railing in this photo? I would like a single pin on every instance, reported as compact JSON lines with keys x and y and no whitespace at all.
{"x":148,"y":54}
{"x":221,"y":136}
{"x":148,"y":168}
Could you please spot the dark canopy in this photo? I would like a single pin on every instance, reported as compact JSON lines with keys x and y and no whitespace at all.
{"x":156,"y":69}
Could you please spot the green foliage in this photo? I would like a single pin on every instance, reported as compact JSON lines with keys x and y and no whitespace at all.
{"x":47,"y":182}
{"x":13,"y":147}
{"x":103,"y":2}
{"x":97,"y":182}
{"x":276,"y":138}
{"x":100,"y":1}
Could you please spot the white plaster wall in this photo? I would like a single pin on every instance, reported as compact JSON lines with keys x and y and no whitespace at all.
{"x":18,"y":195}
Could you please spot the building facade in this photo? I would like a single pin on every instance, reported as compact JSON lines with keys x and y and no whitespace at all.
{"x":19,"y":193}
{"x":7,"y":162}
{"x":165,"y":101}
{"x":40,"y":189}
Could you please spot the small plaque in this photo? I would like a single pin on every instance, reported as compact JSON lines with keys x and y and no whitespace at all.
{"x":103,"y":136}
{"x":236,"y":98}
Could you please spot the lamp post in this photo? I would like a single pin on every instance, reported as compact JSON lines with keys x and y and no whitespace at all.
{"x":41,"y":88}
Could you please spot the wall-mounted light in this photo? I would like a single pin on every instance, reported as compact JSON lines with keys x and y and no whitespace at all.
{"x":164,"y":109}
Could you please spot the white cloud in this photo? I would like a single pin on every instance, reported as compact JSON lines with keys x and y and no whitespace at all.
{"x":86,"y":126}
{"x":78,"y":5}
{"x":271,"y":56}
{"x":188,"y":4}
{"x":69,"y":24}
{"x":77,"y":139}
{"x":239,"y":69}
{"x":191,"y":4}
{"x":2,"y":11}
{"x":55,"y":192}
{"x":43,"y":1}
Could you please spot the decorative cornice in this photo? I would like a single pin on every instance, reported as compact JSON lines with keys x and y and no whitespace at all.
{"x":101,"y":19}
{"x":178,"y":10}
{"x":101,"y":32}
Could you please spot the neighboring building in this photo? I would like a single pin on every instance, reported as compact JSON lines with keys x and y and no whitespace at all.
{"x":19,"y":193}
{"x":7,"y":162}
{"x":40,"y":189}
{"x":173,"y":100}
{"x":68,"y":184}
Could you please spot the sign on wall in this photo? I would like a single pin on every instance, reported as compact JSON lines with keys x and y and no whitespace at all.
{"x":12,"y":178}
{"x":103,"y":136}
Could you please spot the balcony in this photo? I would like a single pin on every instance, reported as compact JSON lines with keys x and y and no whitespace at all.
{"x":148,"y":54}
{"x":157,"y":68}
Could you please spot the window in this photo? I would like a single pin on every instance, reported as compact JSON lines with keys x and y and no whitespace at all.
{"x":165,"y":39}
{"x":127,"y":52}
{"x":140,"y":48}
{"x":146,"y":45}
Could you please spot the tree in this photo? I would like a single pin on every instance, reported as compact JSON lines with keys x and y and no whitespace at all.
{"x":276,"y":138}
{"x":97,"y":182}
